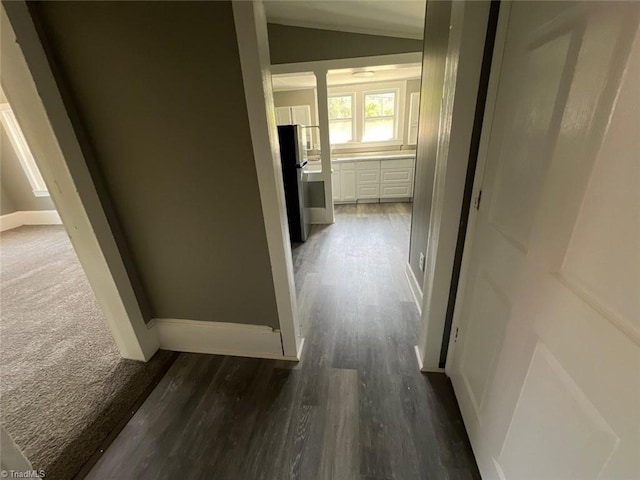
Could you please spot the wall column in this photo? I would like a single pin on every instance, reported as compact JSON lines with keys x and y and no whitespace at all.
{"x":325,"y":143}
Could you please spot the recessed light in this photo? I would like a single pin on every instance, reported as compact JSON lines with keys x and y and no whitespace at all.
{"x":364,"y":73}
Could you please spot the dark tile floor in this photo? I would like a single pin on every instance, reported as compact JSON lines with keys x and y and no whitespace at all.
{"x":356,"y":407}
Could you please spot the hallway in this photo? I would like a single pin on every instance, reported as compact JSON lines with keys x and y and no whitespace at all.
{"x":356,"y":407}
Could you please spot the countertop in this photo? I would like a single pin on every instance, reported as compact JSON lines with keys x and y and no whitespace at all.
{"x":361,"y":157}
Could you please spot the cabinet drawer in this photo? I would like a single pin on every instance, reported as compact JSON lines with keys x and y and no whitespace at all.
{"x":368,"y":191}
{"x":392,"y":175}
{"x":400,"y":190}
{"x":399,"y":163}
{"x":368,"y":165}
{"x":368,"y":176}
{"x":346,"y":165}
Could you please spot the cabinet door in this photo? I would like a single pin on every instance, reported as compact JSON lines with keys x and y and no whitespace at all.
{"x":335,"y":184}
{"x":348,"y":185}
{"x":283,"y":115}
{"x":368,"y":172}
{"x":368,"y":191}
{"x":301,"y":115}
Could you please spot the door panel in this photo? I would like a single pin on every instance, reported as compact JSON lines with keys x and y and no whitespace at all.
{"x":546,"y":367}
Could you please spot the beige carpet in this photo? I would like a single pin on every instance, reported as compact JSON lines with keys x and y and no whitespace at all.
{"x":63,"y":385}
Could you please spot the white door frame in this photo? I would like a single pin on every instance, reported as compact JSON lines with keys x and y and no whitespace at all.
{"x":487,"y":122}
{"x":253,"y":46}
{"x":48,"y":129}
{"x":465,"y":52}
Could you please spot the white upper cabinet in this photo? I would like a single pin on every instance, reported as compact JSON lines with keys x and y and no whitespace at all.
{"x":283,"y":115}
{"x":301,"y":115}
{"x":296,"y":115}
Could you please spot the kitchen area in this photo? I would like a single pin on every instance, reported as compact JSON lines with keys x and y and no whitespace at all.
{"x":372,"y":117}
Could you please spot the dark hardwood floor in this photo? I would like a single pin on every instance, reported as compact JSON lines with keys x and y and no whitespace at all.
{"x":356,"y":407}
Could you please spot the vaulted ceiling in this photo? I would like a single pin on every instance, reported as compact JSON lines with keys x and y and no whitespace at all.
{"x":394,"y":18}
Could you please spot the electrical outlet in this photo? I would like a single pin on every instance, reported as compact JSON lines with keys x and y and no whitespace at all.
{"x":422,"y":261}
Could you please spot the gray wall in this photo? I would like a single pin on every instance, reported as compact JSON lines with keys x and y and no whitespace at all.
{"x":17,"y":194}
{"x":296,"y":44}
{"x":433,"y":64}
{"x":157,"y":90}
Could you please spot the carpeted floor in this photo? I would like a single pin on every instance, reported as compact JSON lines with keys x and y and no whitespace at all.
{"x":63,"y":385}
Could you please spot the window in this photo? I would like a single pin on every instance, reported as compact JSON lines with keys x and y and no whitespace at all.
{"x":379,"y":117}
{"x":367,"y":114}
{"x":341,"y":118}
{"x":22,"y":150}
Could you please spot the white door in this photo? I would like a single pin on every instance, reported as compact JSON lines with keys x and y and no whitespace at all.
{"x":546,"y":367}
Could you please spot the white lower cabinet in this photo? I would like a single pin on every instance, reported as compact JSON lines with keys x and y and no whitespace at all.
{"x":372,"y":181}
{"x":335,"y":183}
{"x":348,"y":182}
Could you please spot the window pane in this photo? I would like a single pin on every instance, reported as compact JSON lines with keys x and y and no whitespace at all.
{"x":378,"y":129}
{"x":340,"y":107}
{"x":340,"y":131}
{"x":379,"y":104}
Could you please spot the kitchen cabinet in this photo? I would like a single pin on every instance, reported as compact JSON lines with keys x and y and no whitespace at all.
{"x":373,"y":180}
{"x":396,"y":178}
{"x":335,"y":183}
{"x":296,"y":115}
{"x":343,"y":180}
{"x":368,"y":180}
{"x":348,"y":189}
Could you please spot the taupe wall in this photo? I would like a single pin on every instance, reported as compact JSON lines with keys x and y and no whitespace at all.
{"x":157,"y":88}
{"x":17,"y":194}
{"x":296,"y":44}
{"x":7,"y":204}
{"x":433,"y":65}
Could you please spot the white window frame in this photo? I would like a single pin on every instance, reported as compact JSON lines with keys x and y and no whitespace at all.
{"x":396,"y":114}
{"x":358,"y":91}
{"x":354,"y":112}
{"x":19,"y":143}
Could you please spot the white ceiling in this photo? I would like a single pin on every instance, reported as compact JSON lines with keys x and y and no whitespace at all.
{"x":394,"y":18}
{"x":383,"y":73}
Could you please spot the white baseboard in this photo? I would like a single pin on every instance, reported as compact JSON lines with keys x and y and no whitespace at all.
{"x":10,"y":221}
{"x":218,"y":338}
{"x":35,"y":217}
{"x":416,"y":291}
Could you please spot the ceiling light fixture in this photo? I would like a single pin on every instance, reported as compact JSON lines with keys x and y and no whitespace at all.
{"x":364,"y":73}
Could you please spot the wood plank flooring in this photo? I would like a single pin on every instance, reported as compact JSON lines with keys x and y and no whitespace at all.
{"x":356,"y":407}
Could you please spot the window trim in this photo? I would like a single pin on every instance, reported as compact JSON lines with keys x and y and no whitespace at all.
{"x":23,"y":152}
{"x":396,"y":115}
{"x":358,"y":91}
{"x":354,"y":113}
